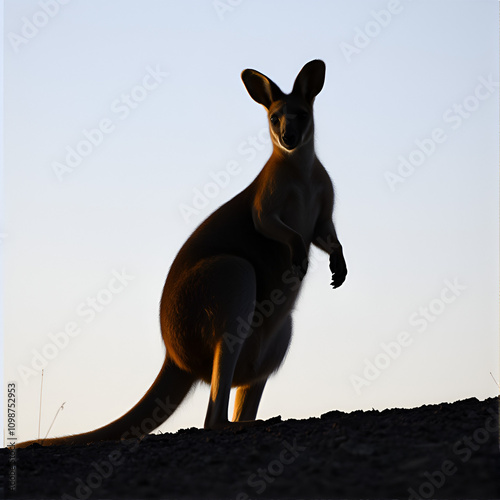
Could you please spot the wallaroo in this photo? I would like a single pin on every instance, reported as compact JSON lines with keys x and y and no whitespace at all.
{"x":226,"y":307}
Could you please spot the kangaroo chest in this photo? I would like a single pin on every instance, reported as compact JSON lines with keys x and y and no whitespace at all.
{"x":301,"y":207}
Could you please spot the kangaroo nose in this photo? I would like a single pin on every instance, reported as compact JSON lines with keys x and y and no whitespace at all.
{"x":289,"y":140}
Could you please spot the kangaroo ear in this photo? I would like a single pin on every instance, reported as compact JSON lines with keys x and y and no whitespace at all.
{"x":310,"y":80}
{"x":261,"y":89}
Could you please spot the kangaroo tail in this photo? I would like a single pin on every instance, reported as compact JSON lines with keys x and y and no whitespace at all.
{"x":167,"y":392}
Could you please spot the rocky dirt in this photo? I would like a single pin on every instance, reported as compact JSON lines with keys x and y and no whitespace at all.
{"x":435,"y":451}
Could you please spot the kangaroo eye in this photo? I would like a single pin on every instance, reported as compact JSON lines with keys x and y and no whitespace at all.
{"x":274,"y":119}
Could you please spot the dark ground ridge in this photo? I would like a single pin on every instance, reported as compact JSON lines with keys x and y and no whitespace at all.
{"x":448,"y":450}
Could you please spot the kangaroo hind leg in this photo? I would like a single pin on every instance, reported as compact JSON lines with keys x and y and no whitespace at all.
{"x":248,"y":397}
{"x":236,"y":299}
{"x":247,"y":401}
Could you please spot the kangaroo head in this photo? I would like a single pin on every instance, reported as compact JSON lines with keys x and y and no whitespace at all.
{"x":290,"y":115}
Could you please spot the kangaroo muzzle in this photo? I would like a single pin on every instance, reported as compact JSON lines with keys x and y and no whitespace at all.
{"x":290,"y":135}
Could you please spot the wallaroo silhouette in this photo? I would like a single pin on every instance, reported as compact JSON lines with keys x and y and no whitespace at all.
{"x":226,"y":307}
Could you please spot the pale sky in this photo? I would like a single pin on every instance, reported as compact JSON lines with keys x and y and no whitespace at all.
{"x":119,"y":118}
